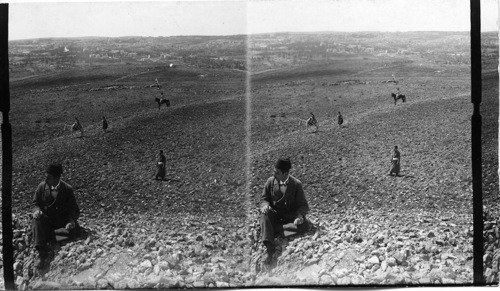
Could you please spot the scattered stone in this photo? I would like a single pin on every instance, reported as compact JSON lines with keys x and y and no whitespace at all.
{"x":47,"y":285}
{"x":447,"y":281}
{"x":219,"y":284}
{"x":383,"y":266}
{"x":102,"y":284}
{"x":271,"y":281}
{"x":146,"y":264}
{"x":374,"y":260}
{"x":391,"y":262}
{"x":156,"y":269}
{"x":344,"y":281}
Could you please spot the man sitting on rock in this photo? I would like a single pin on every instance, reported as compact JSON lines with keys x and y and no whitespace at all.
{"x":55,"y":211}
{"x":282,"y":202}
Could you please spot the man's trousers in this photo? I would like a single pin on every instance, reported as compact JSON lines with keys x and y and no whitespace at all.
{"x":271,"y":225}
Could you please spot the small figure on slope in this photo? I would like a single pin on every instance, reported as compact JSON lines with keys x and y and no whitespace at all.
{"x":340,"y":119}
{"x":104,"y":124}
{"x":161,"y":166}
{"x":395,"y":162}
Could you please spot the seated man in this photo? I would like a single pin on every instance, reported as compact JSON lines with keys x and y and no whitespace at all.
{"x":55,"y":208}
{"x":282,"y":202}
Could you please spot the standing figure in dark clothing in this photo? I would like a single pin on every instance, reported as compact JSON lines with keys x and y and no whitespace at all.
{"x":340,"y":119}
{"x":395,"y":161}
{"x":104,"y":124}
{"x":161,"y":170}
{"x":55,"y":210}
{"x":282,"y":202}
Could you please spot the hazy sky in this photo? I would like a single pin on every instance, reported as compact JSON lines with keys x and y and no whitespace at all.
{"x":167,"y":18}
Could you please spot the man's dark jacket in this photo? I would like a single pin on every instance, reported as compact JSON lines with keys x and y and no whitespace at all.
{"x":291,"y":204}
{"x":59,"y":210}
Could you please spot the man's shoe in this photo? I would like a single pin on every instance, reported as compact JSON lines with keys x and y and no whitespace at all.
{"x":267,"y":258}
{"x":41,"y":260}
{"x":39,"y":263}
{"x":268,"y":255}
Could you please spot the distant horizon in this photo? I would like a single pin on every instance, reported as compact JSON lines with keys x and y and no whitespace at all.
{"x":278,"y":32}
{"x":62,"y":19}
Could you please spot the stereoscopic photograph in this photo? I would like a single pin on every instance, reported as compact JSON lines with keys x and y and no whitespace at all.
{"x":233,"y":144}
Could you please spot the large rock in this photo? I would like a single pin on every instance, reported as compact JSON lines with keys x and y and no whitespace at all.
{"x":46,"y":285}
{"x":400,"y":257}
{"x":383,"y":265}
{"x":391,"y":262}
{"x":133,"y":284}
{"x":170,"y":282}
{"x":447,"y":281}
{"x":146,"y":264}
{"x":344,"y":281}
{"x":339,"y":273}
{"x":220,"y":284}
{"x":163,"y":265}
{"x":424,"y":280}
{"x":373,"y":260}
{"x":271,"y":281}
{"x":102,"y":284}
{"x":151,"y":281}
{"x":310,"y":273}
{"x":172,"y":261}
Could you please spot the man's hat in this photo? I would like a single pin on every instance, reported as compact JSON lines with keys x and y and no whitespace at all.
{"x":55,"y":170}
{"x":283,"y":164}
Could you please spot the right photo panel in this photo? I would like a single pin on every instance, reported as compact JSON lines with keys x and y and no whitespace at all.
{"x":360,"y":142}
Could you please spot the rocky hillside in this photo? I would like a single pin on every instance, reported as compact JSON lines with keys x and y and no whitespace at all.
{"x":199,"y":228}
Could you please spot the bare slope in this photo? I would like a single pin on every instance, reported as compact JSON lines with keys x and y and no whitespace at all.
{"x":191,"y":231}
{"x":112,"y":173}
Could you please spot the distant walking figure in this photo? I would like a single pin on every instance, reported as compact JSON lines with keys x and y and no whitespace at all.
{"x":340,"y":119}
{"x":395,"y":161}
{"x":161,"y":171}
{"x":104,"y":124}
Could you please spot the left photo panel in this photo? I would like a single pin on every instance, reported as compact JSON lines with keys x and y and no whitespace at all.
{"x":129,"y":144}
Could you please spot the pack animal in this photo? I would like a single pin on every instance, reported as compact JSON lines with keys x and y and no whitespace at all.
{"x":398,"y":97}
{"x":161,"y":101}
